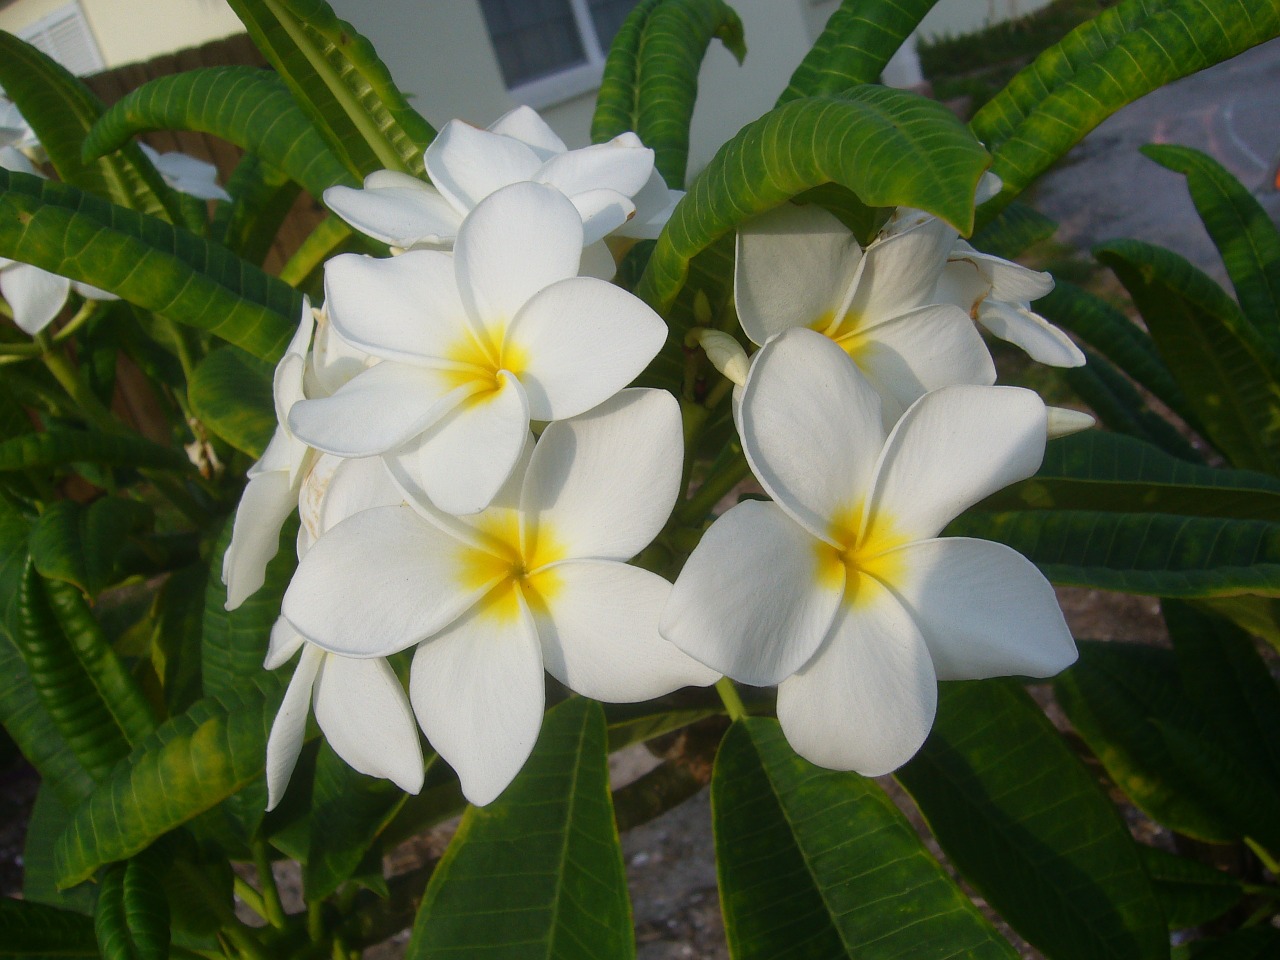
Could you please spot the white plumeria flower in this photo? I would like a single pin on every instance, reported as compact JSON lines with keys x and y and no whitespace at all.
{"x":36,"y":296}
{"x":473,"y":345}
{"x":840,"y":591}
{"x":801,"y":267}
{"x":186,"y":174}
{"x":538,"y":580}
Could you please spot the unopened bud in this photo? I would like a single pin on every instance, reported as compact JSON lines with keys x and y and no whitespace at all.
{"x":1063,"y":421}
{"x":725,"y":354}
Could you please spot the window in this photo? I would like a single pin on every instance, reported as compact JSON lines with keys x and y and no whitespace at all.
{"x":551,"y":50}
{"x":65,"y":36}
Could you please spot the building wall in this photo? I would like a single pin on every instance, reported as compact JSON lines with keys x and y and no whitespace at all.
{"x":954,"y":17}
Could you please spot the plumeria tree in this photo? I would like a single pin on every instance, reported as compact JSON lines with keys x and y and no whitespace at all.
{"x":527,"y":455}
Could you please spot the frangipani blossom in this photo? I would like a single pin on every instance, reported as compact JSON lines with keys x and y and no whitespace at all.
{"x":840,"y":591}
{"x":474,"y":344}
{"x":186,"y":174}
{"x":538,"y":580}
{"x":801,"y":267}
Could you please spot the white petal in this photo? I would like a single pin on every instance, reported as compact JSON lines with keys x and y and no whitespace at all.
{"x":404,"y":307}
{"x":90,"y":292}
{"x":866,"y":701}
{"x":597,"y":261}
{"x":282,"y":644}
{"x":810,"y":426}
{"x":34,"y":295}
{"x":750,"y":602}
{"x":378,"y":410}
{"x":598,"y":625}
{"x":379,"y":582}
{"x":266,"y":503}
{"x":334,"y":360}
{"x":602,"y":212}
{"x":984,"y":609}
{"x":1042,"y":341}
{"x":952,"y":448}
{"x":523,"y":238}
{"x":1063,"y":421}
{"x":615,"y":166}
{"x":466,"y":164}
{"x":477,"y":690}
{"x":582,"y":340}
{"x":792,"y":269}
{"x":287,"y":732}
{"x":524,"y":124}
{"x":603,"y":484}
{"x":365,"y":715}
{"x":654,"y":205}
{"x":191,"y":176}
{"x":462,"y":462}
{"x":898,"y":274}
{"x":401,"y":212}
{"x":1008,"y":280}
{"x":336,"y":488}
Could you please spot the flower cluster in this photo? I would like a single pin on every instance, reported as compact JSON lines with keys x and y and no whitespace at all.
{"x":434,"y":519}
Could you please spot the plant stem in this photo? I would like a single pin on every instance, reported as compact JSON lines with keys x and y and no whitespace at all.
{"x":714,"y":488}
{"x":315,"y":922}
{"x":249,"y":894}
{"x":82,"y":316}
{"x":732,"y":702}
{"x":267,"y":881}
{"x":241,"y":939}
{"x":1261,"y":853}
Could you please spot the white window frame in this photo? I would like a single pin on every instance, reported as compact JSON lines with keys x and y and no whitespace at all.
{"x":571,"y":81}
{"x":74,"y":12}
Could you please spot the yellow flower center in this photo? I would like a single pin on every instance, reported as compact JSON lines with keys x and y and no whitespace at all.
{"x":480,"y":357}
{"x":856,"y":558}
{"x":510,"y":568}
{"x":844,"y":331}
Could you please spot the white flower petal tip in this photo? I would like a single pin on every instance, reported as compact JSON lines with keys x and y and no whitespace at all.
{"x":36,"y":296}
{"x":187,"y":175}
{"x":1063,"y":421}
{"x":725,"y":354}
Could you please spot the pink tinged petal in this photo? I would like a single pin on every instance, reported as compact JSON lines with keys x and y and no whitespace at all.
{"x":602,"y":212}
{"x":397,"y":209}
{"x":35,"y":296}
{"x":952,"y":448}
{"x":898,"y":274}
{"x":524,"y":124}
{"x":266,"y":503}
{"x":522,"y":239}
{"x":462,"y":462}
{"x":810,"y":426}
{"x":477,"y":690}
{"x":283,"y":642}
{"x":378,"y":410}
{"x":792,"y":269}
{"x":380,"y":582}
{"x":405,"y":307}
{"x":984,"y":609}
{"x":867,"y":699}
{"x":599,"y":631}
{"x":466,"y":164}
{"x":751,"y":601}
{"x":603,"y":484}
{"x":365,"y":715}
{"x":289,"y":729}
{"x":623,"y":167}
{"x":1042,"y":341}
{"x":582,"y":340}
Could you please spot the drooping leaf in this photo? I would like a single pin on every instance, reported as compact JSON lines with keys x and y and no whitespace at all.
{"x":29,"y":930}
{"x":568,"y":896}
{"x":1026,"y":824}
{"x":1190,"y":892}
{"x":262,"y":199}
{"x":615,"y":111}
{"x":1226,"y":370}
{"x":854,"y":47}
{"x":59,"y":447}
{"x":817,"y":140}
{"x":81,"y":544}
{"x":815,"y":863}
{"x":336,"y":77}
{"x":146,"y":261}
{"x":132,"y":916}
{"x":230,"y":392}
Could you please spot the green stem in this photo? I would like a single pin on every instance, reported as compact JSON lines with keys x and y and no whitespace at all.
{"x":242,"y":940}
{"x":714,"y":488}
{"x":732,"y":702}
{"x":267,"y":881}
{"x":319,"y":245}
{"x":20,"y":351}
{"x":315,"y":921}
{"x":87,"y":310}
{"x":91,"y":407}
{"x":1261,"y":853}
{"x":249,"y":894}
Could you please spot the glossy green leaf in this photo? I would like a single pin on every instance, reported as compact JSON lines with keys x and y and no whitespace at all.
{"x":188,"y":765}
{"x":132,"y":916}
{"x":543,"y":859}
{"x":1011,"y":231}
{"x":815,"y":863}
{"x":59,"y":447}
{"x":251,"y":108}
{"x":37,"y":930}
{"x":81,"y":544}
{"x":1241,"y":229}
{"x":1226,"y":371}
{"x":615,"y":111}
{"x":262,"y":199}
{"x":230,"y":391}
{"x":1190,"y":892}
{"x":1026,"y":824}
{"x":336,"y":77}
{"x":147,"y":262}
{"x":858,"y":40}
{"x":177,"y":616}
{"x":806,"y":143}
{"x":61,"y":110}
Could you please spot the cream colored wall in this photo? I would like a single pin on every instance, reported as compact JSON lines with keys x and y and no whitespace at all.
{"x":953,"y":17}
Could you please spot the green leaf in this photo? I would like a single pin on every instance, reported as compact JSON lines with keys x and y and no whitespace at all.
{"x":147,"y":262}
{"x":188,"y":765}
{"x":336,"y":77}
{"x":251,"y":108}
{"x":132,"y":916}
{"x":817,"y":140}
{"x":815,"y":863}
{"x":38,"y":930}
{"x":1026,"y":824}
{"x":1011,"y":231}
{"x":230,"y":391}
{"x":615,"y":111}
{"x":49,"y":818}
{"x":1241,"y":230}
{"x":1191,"y":893}
{"x":1225,"y":369}
{"x":262,"y":198}
{"x":853,"y":48}
{"x":59,"y":446}
{"x":61,"y":110}
{"x":1252,"y":943}
{"x":178,"y":616}
{"x":81,"y":544}
{"x":543,"y":858}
